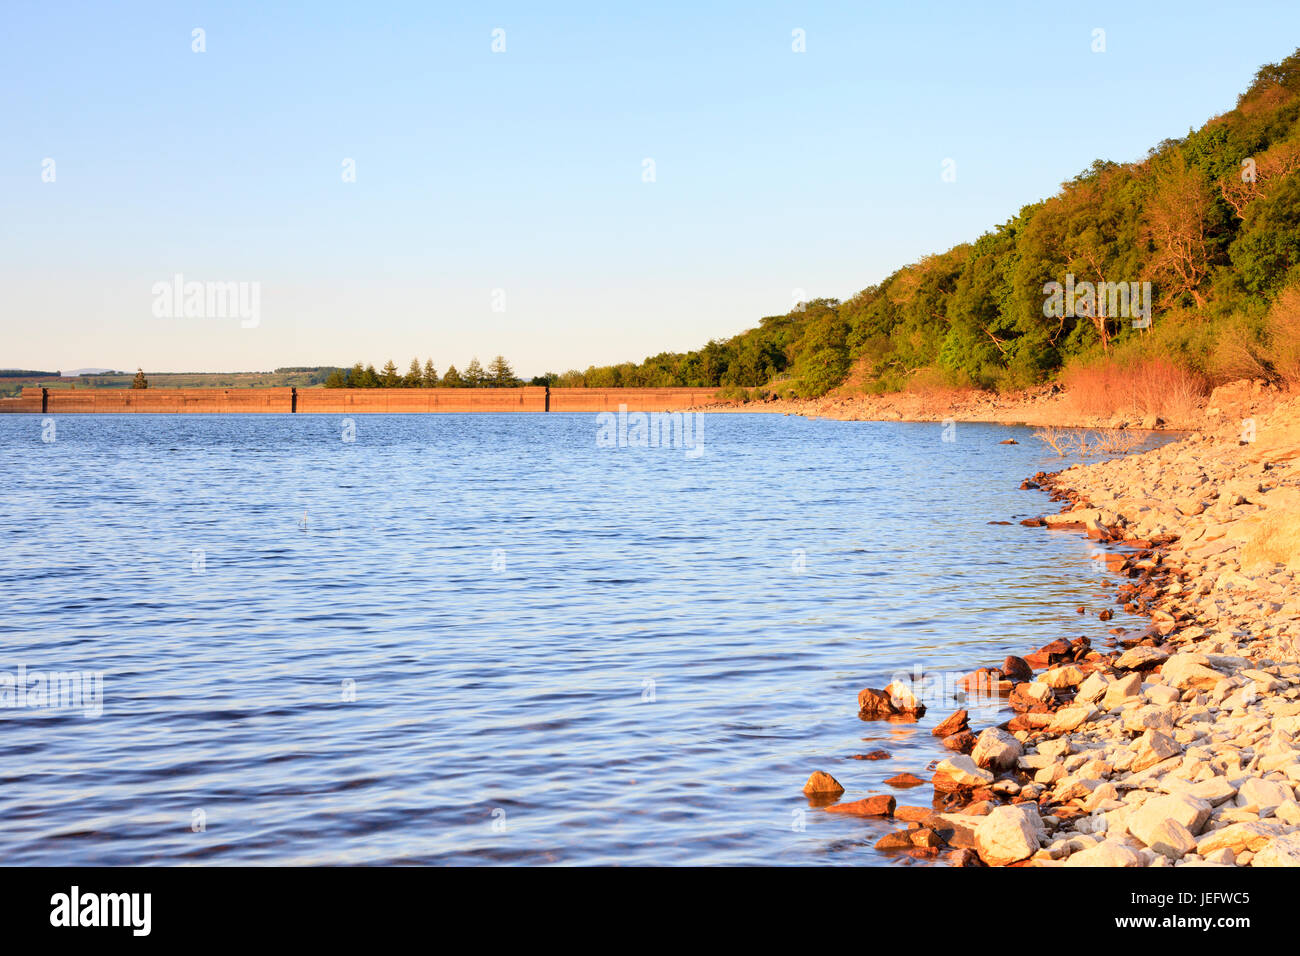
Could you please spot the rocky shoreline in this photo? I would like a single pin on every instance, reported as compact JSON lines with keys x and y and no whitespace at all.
{"x":1180,"y":746}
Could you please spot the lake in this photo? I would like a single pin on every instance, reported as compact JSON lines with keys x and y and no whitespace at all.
{"x":460,"y":639}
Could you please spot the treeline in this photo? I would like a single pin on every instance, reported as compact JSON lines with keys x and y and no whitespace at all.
{"x":1211,"y":220}
{"x":498,"y":374}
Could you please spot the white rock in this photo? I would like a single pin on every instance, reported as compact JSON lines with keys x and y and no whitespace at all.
{"x":1092,"y":689}
{"x":963,"y":770}
{"x":1257,"y":792}
{"x":1136,"y":658}
{"x":1190,"y":670}
{"x":996,"y":749}
{"x":1182,"y":808}
{"x":1059,"y":678}
{"x":1215,"y":790}
{"x":1006,"y":835}
{"x":1071,"y":718}
{"x":1121,"y":690}
{"x":1153,"y":747}
{"x":1280,"y":851}
{"x":1107,"y":853}
{"x":1240,"y":837}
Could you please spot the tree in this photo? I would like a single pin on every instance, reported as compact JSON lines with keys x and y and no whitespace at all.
{"x":336,"y":379}
{"x":413,"y":375}
{"x":474,"y":374}
{"x":140,"y":380}
{"x":430,"y":377}
{"x":389,"y":377}
{"x":500,"y":374}
{"x":1178,"y":222}
{"x":369,"y":378}
{"x":452,"y":379}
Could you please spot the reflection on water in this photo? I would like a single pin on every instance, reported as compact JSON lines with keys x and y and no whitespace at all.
{"x":461,"y":639}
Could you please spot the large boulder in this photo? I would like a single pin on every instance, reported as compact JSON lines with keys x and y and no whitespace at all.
{"x":1215,"y":790}
{"x":822,"y":783}
{"x":1184,"y":809}
{"x":1252,"y":835}
{"x":1071,"y":718}
{"x":881,"y":805}
{"x":1107,"y":853}
{"x":1170,"y":838}
{"x":1120,"y":690}
{"x":1140,"y":658}
{"x":996,"y":749}
{"x":1153,"y":747}
{"x":960,"y":772}
{"x":955,"y":724}
{"x":1261,"y":793}
{"x":1007,"y":835}
{"x":1280,"y":851}
{"x":875,"y":703}
{"x":1192,"y":671}
{"x":904,"y":698}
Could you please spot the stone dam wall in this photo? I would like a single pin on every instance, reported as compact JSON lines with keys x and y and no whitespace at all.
{"x":340,"y":401}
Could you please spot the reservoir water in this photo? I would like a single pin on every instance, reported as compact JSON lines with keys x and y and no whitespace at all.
{"x":457,"y":639}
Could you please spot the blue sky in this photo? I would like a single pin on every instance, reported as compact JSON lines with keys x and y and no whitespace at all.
{"x":522,"y":171}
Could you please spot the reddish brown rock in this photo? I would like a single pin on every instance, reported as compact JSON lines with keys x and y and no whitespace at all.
{"x":875,"y":703}
{"x":1029,"y":721}
{"x":873,"y":755}
{"x":1057,"y":650}
{"x":1022,"y":703}
{"x":962,"y":742}
{"x":983,"y":681}
{"x":898,"y":840}
{"x":1017,"y":669}
{"x":880,"y":805}
{"x":1106,"y":614}
{"x":822,"y":783}
{"x":953,"y":725}
{"x":912,"y":814}
{"x":964,"y":857}
{"x":904,"y":780}
{"x":925,"y":837}
{"x":1037,"y":660}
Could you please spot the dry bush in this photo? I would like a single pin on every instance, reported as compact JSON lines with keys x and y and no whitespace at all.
{"x":1116,"y":441}
{"x":1284,"y":335}
{"x":1058,"y":439}
{"x":1147,"y":387}
{"x":1276,"y":541}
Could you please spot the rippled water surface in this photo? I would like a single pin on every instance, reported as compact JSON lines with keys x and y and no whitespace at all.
{"x":558,"y":653}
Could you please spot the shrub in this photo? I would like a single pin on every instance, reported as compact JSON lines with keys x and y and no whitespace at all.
{"x":1153,"y":386}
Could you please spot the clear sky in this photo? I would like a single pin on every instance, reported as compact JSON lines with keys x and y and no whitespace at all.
{"x":523,"y":170}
